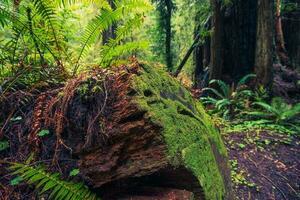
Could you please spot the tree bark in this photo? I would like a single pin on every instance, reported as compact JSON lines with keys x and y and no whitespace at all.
{"x":168,"y":37}
{"x":201,"y":55}
{"x":198,"y":59}
{"x":264,"y":44}
{"x":206,"y":51}
{"x":198,"y":54}
{"x":217,"y":48}
{"x":239,"y":39}
{"x":291,"y":29}
{"x":187,"y":55}
{"x":279,"y":38}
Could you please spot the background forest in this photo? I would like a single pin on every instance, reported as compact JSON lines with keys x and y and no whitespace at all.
{"x":64,"y":66}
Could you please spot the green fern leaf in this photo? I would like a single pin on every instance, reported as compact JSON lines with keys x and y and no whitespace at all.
{"x":223,"y":86}
{"x":245,"y":79}
{"x":45,"y":182}
{"x":214,"y":91}
{"x":109,"y":49}
{"x":101,"y":22}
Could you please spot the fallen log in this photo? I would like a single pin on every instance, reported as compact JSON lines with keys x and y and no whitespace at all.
{"x":134,"y":132}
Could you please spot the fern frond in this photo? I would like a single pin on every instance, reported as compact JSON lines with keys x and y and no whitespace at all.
{"x":223,"y":86}
{"x":267,"y":108}
{"x":291,"y":113}
{"x":106,"y":18}
{"x":121,"y":32}
{"x":214,"y":91}
{"x":245,"y":79}
{"x":133,"y":6}
{"x":101,"y":22}
{"x":123,"y":49}
{"x":279,"y":104}
{"x":46,"y":182}
{"x":247,"y":93}
{"x":222,"y":103}
{"x":208,"y":100}
{"x":47,"y":11}
{"x":258,"y":114}
{"x":99,"y":3}
{"x":5,"y":17}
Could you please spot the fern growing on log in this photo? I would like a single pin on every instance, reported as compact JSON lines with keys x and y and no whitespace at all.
{"x":46,"y":182}
{"x":36,"y":52}
{"x":108,"y":50}
{"x":129,"y":12}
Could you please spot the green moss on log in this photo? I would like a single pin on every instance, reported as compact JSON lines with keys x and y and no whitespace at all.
{"x":187,"y":129}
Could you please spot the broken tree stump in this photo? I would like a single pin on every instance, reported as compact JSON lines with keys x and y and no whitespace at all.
{"x":136,"y":133}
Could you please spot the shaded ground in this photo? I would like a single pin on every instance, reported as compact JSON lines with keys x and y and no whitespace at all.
{"x":265,"y":165}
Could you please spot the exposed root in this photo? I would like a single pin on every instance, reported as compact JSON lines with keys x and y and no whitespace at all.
{"x":68,"y":94}
{"x":33,"y":138}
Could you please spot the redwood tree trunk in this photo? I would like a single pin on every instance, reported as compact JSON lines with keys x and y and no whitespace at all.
{"x":279,"y":38}
{"x":264,"y":44}
{"x":198,"y":54}
{"x":239,"y":39}
{"x":206,"y":51}
{"x":291,"y":29}
{"x":168,"y":39}
{"x":198,"y":59}
{"x":217,"y":49}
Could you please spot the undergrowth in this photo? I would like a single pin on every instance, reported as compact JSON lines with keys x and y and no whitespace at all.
{"x":240,"y":108}
{"x":50,"y":184}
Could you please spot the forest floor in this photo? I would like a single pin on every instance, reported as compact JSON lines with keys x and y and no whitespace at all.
{"x":265,"y":165}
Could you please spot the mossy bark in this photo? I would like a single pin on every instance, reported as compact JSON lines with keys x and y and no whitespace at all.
{"x":158,"y":126}
{"x":187,"y":130}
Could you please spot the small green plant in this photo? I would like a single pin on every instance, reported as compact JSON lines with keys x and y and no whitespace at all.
{"x":241,"y":145}
{"x":47,"y":182}
{"x":74,"y":172}
{"x":228,"y":100}
{"x":4,"y":145}
{"x":259,"y":124}
{"x":16,"y":181}
{"x":43,"y":133}
{"x":260,"y":94}
{"x":16,"y":119}
{"x":239,"y":177}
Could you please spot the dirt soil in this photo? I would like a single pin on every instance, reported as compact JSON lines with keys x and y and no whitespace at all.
{"x":266,"y":165}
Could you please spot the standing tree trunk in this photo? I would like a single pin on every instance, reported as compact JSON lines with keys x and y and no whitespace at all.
{"x":291,"y":29}
{"x":264,"y":44}
{"x":239,"y":39}
{"x":198,"y":60}
{"x":198,"y":54}
{"x":168,"y":40}
{"x":279,"y":38}
{"x":206,"y":51}
{"x":217,"y":50}
{"x":110,"y":33}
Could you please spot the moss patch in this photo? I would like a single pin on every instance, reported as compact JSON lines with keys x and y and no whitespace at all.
{"x":187,"y":130}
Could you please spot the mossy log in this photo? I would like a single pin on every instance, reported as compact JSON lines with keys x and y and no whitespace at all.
{"x":136,"y":134}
